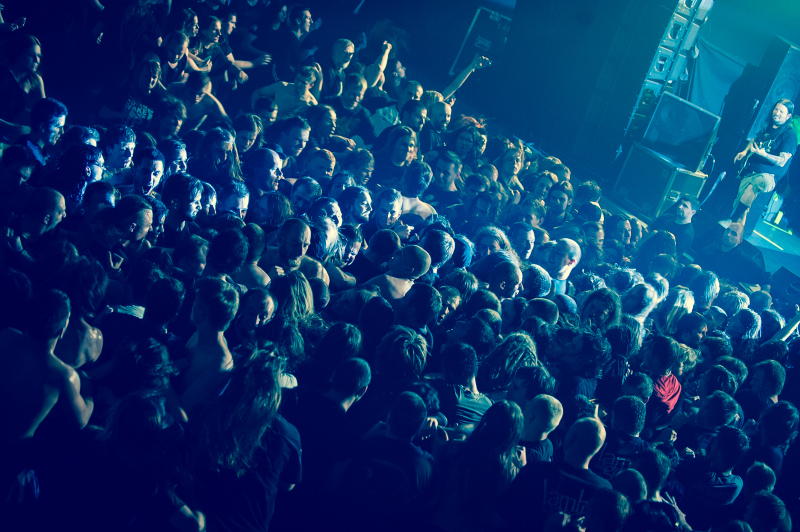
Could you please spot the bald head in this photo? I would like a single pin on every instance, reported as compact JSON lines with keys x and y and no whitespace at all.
{"x":505,"y":280}
{"x":410,"y":262}
{"x":585,"y":437}
{"x":46,"y":208}
{"x":563,"y":258}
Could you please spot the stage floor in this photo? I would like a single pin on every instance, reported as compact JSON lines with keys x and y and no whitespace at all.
{"x":779,"y":247}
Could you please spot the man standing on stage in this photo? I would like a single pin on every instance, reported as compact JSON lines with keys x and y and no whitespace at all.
{"x":767,"y":157}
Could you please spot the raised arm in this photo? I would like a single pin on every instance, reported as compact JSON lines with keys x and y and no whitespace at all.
{"x":317,"y":88}
{"x":478,"y":62}
{"x":787,"y":331}
{"x":374,"y":71}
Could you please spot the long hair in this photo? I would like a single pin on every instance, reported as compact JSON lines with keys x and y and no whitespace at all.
{"x":294,"y":296}
{"x":231,"y":432}
{"x":516,"y":351}
{"x":677,"y":304}
{"x":488,"y":457}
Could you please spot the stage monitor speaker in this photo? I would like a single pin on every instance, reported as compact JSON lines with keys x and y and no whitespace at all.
{"x":650,"y":183}
{"x":681,"y":131}
{"x":786,"y":286}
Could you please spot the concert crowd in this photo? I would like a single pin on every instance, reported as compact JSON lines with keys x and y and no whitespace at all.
{"x":254,"y":276}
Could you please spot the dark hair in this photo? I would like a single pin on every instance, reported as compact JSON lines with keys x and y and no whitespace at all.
{"x":164,"y":301}
{"x":231,"y":432}
{"x":143,"y":366}
{"x":80,"y":135}
{"x":654,"y":466}
{"x":481,"y":299}
{"x":735,"y":367}
{"x":85,"y":283}
{"x":219,"y":300}
{"x":588,"y":191}
{"x":46,"y":111}
{"x":639,"y":385}
{"x":718,"y":378}
{"x":47,"y":314}
{"x":351,"y":376}
{"x":564,"y":187}
{"x":407,"y":415}
{"x":537,"y":380}
{"x":769,"y":512}
{"x":180,"y":187}
{"x":662,"y":354}
{"x":731,"y":444}
{"x":227,"y":252}
{"x":401,"y":354}
{"x":417,"y":177}
{"x":340,"y":342}
{"x":778,"y":424}
{"x":774,"y":376}
{"x":718,"y":409}
{"x":517,"y":350}
{"x":628,"y":415}
{"x":71,"y":179}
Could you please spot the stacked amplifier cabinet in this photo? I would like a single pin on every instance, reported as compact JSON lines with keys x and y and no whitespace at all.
{"x":650,"y":183}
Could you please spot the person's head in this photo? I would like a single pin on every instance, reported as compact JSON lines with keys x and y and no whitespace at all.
{"x":147,"y":75}
{"x":171,"y":114}
{"x":266,"y":110}
{"x":388,"y":208}
{"x":760,"y":477}
{"x":522,"y":239}
{"x":234,"y":198}
{"x":619,"y":228}
{"x":401,"y":355}
{"x":361,"y":164}
{"x":134,"y":218}
{"x":413,"y":115}
{"x":661,"y":356}
{"x":305,"y":192}
{"x":542,"y":414}
{"x":210,"y":29}
{"x":543,"y":185}
{"x":48,"y":117}
{"x":401,"y":146}
{"x":17,"y":165}
{"x":489,"y":240}
{"x":439,"y":245}
{"x":778,"y":424}
{"x":638,"y":385}
{"x":182,"y":194}
{"x":148,"y":170}
{"x":601,"y":309}
{"x":505,"y":280}
{"x":782,"y":112}
{"x":164,"y":300}
{"x":510,"y":162}
{"x":608,"y":511}
{"x":705,"y":288}
{"x":24,"y":53}
{"x":640,"y":300}
{"x":299,"y":19}
{"x":47,"y":315}
{"x":190,"y":255}
{"x":320,"y":165}
{"x":176,"y":45}
{"x":294,"y":133}
{"x":630,"y":483}
{"x":118,"y":144}
{"x":584,"y":439}
{"x":717,"y":410}
{"x":406,"y":416}
{"x":99,"y":195}
{"x":447,"y":170}
{"x":342,"y":53}
{"x":227,"y":252}
{"x":353,"y":90}
{"x":198,"y":84}
{"x":416,"y":179}
{"x":768,"y":378}
{"x":409,"y":262}
{"x":80,"y":165}
{"x":248,"y":129}
{"x":351,"y":378}
{"x":727,"y":449}
{"x":732,"y":236}
{"x":560,"y":198}
{"x":45,"y":210}
{"x":760,"y":301}
{"x":175,"y":156}
{"x":80,"y":135}
{"x":189,"y":23}
{"x":686,"y":209}
{"x":655,"y":467}
{"x":440,"y":116}
{"x":459,"y":363}
{"x":215,"y":304}
{"x":294,"y":239}
{"x":263,"y":168}
{"x":564,"y":256}
{"x":517,"y":350}
{"x":767,"y":513}
{"x":691,"y":329}
{"x":355,"y":204}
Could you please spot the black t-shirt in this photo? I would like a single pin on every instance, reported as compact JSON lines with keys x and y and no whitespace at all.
{"x":353,"y":123}
{"x":705,"y":491}
{"x":441,"y":199}
{"x":542,"y":488}
{"x":362,"y":269}
{"x":415,"y":462}
{"x":784,"y":142}
{"x":683,"y":233}
{"x":246,"y":503}
{"x":137,"y":110}
{"x":733,"y":265}
{"x":538,"y":451}
{"x":169,"y":74}
{"x":617,"y":453}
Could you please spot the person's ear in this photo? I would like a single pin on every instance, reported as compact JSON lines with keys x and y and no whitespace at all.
{"x":132,"y":227}
{"x":46,"y":220}
{"x":360,"y":393}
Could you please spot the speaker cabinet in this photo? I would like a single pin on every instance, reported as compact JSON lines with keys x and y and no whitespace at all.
{"x":649,"y":183}
{"x":681,"y":131}
{"x":786,"y":286}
